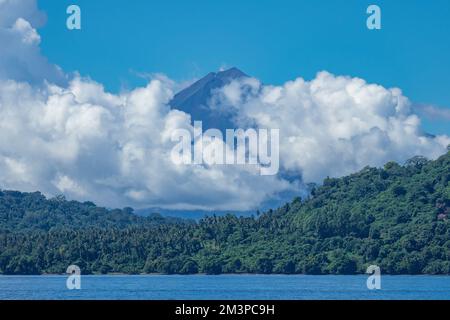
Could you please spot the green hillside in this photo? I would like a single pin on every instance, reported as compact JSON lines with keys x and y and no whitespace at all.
{"x":396,"y":217}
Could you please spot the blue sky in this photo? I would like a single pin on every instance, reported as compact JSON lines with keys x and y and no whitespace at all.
{"x":274,"y":41}
{"x":114,"y":149}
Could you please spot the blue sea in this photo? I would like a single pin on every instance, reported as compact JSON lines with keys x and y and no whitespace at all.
{"x":225,"y":287}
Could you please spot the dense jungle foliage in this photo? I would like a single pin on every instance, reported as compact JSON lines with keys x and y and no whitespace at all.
{"x":396,"y":217}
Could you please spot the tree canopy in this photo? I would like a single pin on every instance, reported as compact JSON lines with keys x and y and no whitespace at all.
{"x":396,"y":217}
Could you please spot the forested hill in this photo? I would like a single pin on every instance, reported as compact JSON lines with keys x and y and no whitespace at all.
{"x":33,"y":211}
{"x":396,"y":217}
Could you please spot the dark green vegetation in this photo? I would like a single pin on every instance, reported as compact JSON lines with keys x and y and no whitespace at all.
{"x":396,"y":217}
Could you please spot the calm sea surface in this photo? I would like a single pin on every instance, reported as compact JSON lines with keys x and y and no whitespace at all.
{"x":227,"y":287}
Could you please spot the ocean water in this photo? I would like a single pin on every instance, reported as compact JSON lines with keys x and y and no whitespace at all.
{"x":224,"y":287}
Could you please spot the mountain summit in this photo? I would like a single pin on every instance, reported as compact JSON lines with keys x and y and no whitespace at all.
{"x":196,"y":99}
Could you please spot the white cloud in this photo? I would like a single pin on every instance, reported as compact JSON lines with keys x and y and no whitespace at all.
{"x":11,"y":10}
{"x":113,"y":149}
{"x":333,"y":125}
{"x":75,"y":138}
{"x":20,"y":56}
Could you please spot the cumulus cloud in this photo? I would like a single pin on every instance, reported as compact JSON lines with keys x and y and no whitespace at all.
{"x":115,"y":149}
{"x":20,"y":56}
{"x":333,"y":125}
{"x":11,"y":10}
